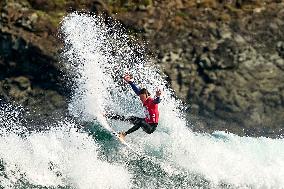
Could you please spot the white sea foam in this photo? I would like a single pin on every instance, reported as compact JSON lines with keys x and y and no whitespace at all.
{"x":61,"y":156}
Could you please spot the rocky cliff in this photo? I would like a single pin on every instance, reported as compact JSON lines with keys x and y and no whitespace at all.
{"x":225,"y":59}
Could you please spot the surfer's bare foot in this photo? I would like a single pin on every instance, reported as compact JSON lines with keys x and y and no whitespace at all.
{"x":122,"y":135}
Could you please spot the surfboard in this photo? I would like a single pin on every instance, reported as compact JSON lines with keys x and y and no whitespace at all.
{"x":106,"y":125}
{"x":124,"y":142}
{"x":116,"y":134}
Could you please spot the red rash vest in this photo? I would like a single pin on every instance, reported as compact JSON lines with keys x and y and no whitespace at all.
{"x":151,"y":106}
{"x":151,"y":111}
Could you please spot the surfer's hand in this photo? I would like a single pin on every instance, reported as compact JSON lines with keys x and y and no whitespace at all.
{"x":158,"y":92}
{"x":127,"y":78}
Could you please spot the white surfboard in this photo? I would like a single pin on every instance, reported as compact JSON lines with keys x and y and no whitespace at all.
{"x":105,"y":124}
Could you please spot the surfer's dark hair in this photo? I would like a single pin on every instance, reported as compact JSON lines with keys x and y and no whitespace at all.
{"x":145,"y":91}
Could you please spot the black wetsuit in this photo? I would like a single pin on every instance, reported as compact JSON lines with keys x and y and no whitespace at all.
{"x":137,"y":122}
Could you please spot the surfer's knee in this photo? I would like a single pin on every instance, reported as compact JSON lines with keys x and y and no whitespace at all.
{"x":149,"y":132}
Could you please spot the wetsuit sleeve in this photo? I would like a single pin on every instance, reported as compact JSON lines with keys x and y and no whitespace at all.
{"x":134,"y":87}
{"x":157,"y":100}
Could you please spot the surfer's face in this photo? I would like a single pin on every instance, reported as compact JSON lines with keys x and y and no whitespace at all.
{"x":143,"y":97}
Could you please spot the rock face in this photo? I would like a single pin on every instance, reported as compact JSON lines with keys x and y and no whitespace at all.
{"x":225,"y":59}
{"x":28,"y":59}
{"x":30,"y":71}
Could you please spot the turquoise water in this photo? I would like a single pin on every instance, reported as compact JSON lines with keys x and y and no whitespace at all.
{"x":86,"y":156}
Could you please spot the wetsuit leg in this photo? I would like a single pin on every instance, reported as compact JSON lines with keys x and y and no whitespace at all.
{"x":149,"y":128}
{"x":132,"y":129}
{"x":140,"y":122}
{"x":136,"y":121}
{"x":137,"y":124}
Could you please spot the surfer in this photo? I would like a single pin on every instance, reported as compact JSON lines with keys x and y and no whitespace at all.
{"x":150,"y":122}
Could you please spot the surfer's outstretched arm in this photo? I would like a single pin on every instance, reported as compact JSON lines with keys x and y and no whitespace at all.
{"x":114,"y":116}
{"x":131,"y":119}
{"x":157,"y":98}
{"x":129,"y":80}
{"x":134,"y":87}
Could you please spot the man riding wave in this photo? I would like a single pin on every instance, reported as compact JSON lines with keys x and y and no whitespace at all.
{"x":150,"y":122}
